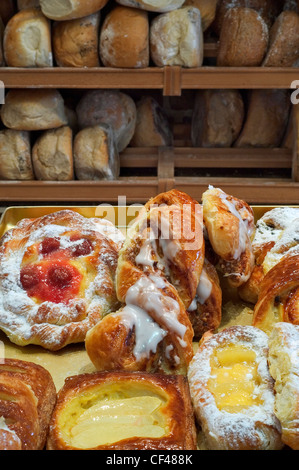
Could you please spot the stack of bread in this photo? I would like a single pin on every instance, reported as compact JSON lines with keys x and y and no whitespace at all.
{"x":142,"y":33}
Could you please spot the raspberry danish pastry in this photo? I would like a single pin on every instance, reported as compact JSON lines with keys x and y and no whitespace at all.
{"x":158,"y":272}
{"x":56,"y":279}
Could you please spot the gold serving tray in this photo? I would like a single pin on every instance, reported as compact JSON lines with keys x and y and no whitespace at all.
{"x":73,"y":359}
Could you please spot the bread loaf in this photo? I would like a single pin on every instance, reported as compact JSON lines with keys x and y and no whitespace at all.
{"x":32,"y":110}
{"x":27,"y":40}
{"x":152,"y":126}
{"x":70,"y":9}
{"x":23,"y":4}
{"x":176,"y":38}
{"x":207,"y":10}
{"x":52,"y":155}
{"x":15,"y":155}
{"x":111,"y":107}
{"x":153,"y":5}
{"x":75,"y":42}
{"x":266,"y":120}
{"x":95,"y":154}
{"x":243,"y":39}
{"x":217,"y":118}
{"x":124,"y":38}
{"x":283,"y":48}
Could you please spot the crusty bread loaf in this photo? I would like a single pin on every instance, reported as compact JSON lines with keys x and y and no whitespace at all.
{"x":217,"y":118}
{"x":153,"y":5}
{"x":207,"y":10}
{"x":27,"y":40}
{"x":176,"y":38}
{"x":111,"y":107}
{"x":243,"y":39}
{"x":23,"y":4}
{"x":70,"y":9}
{"x":52,"y":155}
{"x":124,"y":38}
{"x":283,"y":48}
{"x":95,"y":154}
{"x":76,"y":42}
{"x":15,"y":155}
{"x":267,"y":118}
{"x":32,"y":110}
{"x":152,"y":126}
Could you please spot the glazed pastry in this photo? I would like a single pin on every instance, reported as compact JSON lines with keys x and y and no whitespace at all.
{"x":283,"y":363}
{"x":232,"y":391}
{"x":27,"y":400}
{"x":157,"y":276}
{"x":205,"y":310}
{"x":275,"y":236}
{"x":279,"y":295}
{"x":56,"y":279}
{"x":230,"y":224}
{"x":123,"y":411}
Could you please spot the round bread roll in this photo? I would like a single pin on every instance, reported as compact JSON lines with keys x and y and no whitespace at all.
{"x":217,"y":118}
{"x":75,"y":42}
{"x":176,"y":38}
{"x":153,"y":5}
{"x":32,"y":110}
{"x":124,"y":38}
{"x":110,"y":107}
{"x":15,"y":155}
{"x":52,"y":155}
{"x":60,"y":10}
{"x":27,"y":40}
{"x":23,"y":4}
{"x":243,"y":39}
{"x":267,"y":118}
{"x":95,"y":154}
{"x":207,"y":10}
{"x":283,"y":48}
{"x":152,"y":126}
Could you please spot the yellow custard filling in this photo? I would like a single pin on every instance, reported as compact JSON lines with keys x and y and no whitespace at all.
{"x":110,"y":415}
{"x":234,"y":378}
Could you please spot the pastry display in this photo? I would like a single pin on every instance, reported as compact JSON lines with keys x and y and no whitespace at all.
{"x":56,"y":279}
{"x":283,"y":363}
{"x":27,"y":400}
{"x":123,"y":411}
{"x":232,"y":391}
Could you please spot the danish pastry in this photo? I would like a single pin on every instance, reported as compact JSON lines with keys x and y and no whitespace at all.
{"x":27,"y":400}
{"x":279,"y":295}
{"x":56,"y":279}
{"x":283,"y":364}
{"x":230,"y":225}
{"x":123,"y":411}
{"x":157,"y":276}
{"x":232,"y":391}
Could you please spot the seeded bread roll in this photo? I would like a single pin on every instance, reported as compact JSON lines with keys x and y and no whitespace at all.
{"x":283,"y":48}
{"x":111,"y":107}
{"x":32,"y":110}
{"x":61,"y":10}
{"x":95,"y":154}
{"x":124,"y":38}
{"x":267,"y":118}
{"x":75,"y":42}
{"x":27,"y":40}
{"x":15,"y":155}
{"x":207,"y":10}
{"x":217,"y":118}
{"x":152,"y":126}
{"x":23,"y":4}
{"x":176,"y":38}
{"x":153,"y":5}
{"x":52,"y":155}
{"x":243,"y":40}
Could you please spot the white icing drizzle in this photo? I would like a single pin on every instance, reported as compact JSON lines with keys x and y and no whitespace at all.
{"x":144,"y":256}
{"x":204,"y":287}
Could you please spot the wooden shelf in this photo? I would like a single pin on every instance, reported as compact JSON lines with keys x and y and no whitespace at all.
{"x":169,"y":79}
